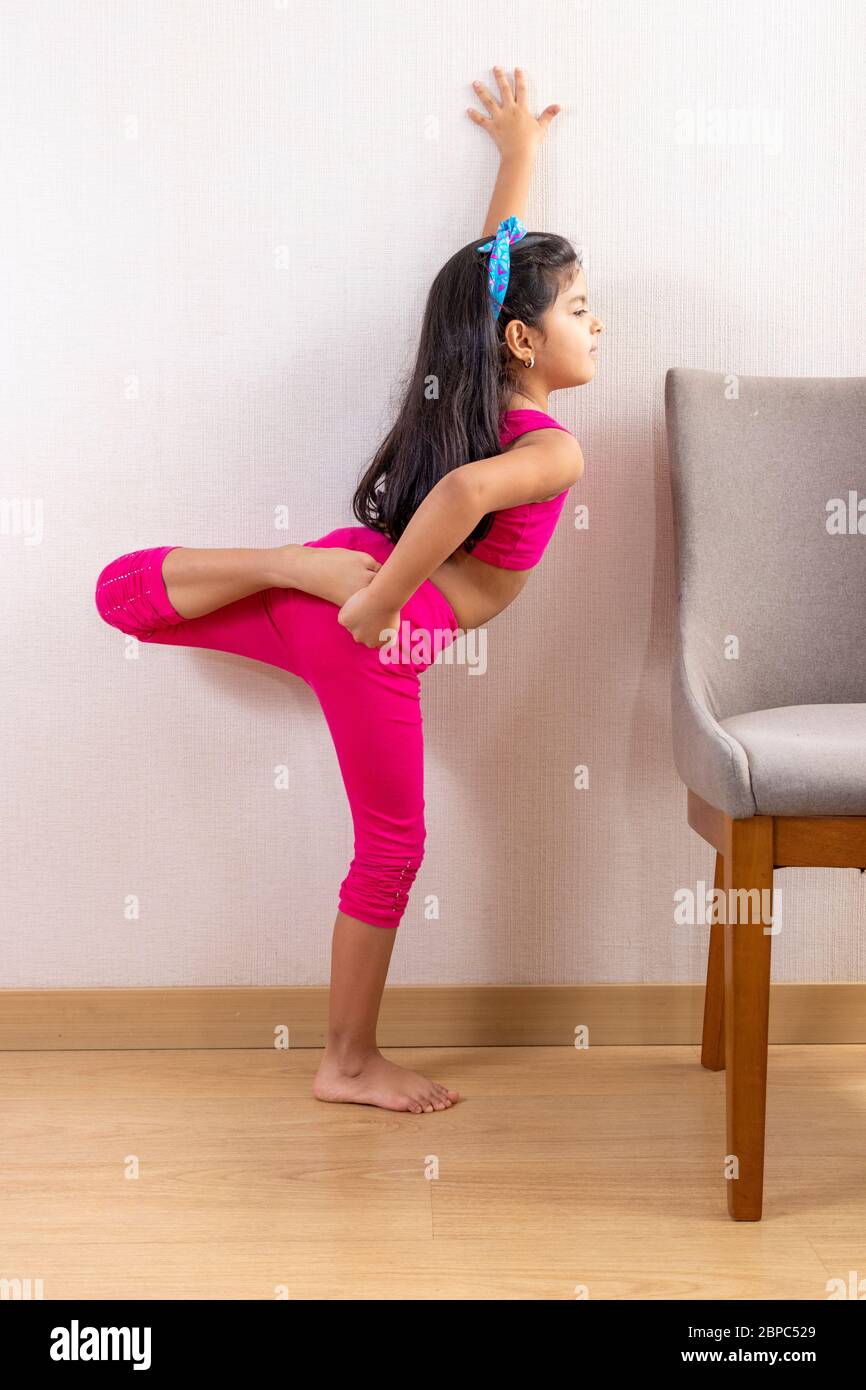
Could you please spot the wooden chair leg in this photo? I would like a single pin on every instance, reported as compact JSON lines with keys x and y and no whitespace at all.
{"x":713,"y":1039}
{"x":749,"y":866}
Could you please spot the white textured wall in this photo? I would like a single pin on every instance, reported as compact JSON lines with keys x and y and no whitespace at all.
{"x":165,"y":380}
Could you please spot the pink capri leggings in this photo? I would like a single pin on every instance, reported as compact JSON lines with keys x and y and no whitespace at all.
{"x":373,"y":709}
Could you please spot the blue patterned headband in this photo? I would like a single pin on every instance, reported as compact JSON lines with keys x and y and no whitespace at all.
{"x":499,"y":265}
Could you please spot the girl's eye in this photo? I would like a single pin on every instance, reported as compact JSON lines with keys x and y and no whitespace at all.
{"x":578,"y":312}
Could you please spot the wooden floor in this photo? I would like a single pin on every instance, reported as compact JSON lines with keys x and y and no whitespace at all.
{"x":559,"y":1169}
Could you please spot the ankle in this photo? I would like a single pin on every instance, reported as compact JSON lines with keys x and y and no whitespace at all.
{"x":348,"y":1054}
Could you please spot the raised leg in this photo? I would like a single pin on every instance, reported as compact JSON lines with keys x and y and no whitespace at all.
{"x":132,"y":596}
{"x":748,"y":876}
{"x":713,"y":1043}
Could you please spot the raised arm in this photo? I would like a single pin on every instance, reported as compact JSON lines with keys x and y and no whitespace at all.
{"x":517,"y":135}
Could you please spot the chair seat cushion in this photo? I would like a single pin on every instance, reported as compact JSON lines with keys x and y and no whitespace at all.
{"x":805,"y":760}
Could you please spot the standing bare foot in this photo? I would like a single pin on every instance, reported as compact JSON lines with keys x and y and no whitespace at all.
{"x":370,"y":1079}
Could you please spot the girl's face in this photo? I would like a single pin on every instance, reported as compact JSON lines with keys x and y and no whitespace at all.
{"x":569,"y":354}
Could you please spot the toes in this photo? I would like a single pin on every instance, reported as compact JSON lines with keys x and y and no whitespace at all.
{"x":435,"y":1096}
{"x":442,"y":1093}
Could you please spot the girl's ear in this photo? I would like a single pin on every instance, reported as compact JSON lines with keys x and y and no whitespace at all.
{"x":515,"y":336}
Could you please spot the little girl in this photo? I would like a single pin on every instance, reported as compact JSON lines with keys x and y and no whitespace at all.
{"x":456,"y":508}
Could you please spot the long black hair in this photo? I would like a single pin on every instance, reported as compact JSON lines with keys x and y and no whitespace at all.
{"x":462,"y":379}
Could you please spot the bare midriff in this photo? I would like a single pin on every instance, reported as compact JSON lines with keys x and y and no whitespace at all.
{"x":475,"y":590}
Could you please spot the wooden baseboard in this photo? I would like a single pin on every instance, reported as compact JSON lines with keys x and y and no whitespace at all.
{"x":412,"y":1016}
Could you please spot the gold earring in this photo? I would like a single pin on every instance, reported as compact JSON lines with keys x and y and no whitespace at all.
{"x":531,"y":362}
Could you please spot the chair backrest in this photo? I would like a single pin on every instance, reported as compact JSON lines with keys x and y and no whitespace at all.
{"x":768,"y":477}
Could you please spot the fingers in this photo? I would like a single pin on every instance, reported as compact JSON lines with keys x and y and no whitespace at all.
{"x":485,"y":98}
{"x":509,"y":98}
{"x":504,"y":86}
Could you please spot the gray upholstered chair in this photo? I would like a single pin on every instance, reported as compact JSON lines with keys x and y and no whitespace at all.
{"x":768,"y":476}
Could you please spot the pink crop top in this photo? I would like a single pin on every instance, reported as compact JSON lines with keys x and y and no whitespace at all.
{"x":519,"y":536}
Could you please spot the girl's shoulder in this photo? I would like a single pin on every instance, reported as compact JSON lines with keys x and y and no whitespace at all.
{"x":514,"y":423}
